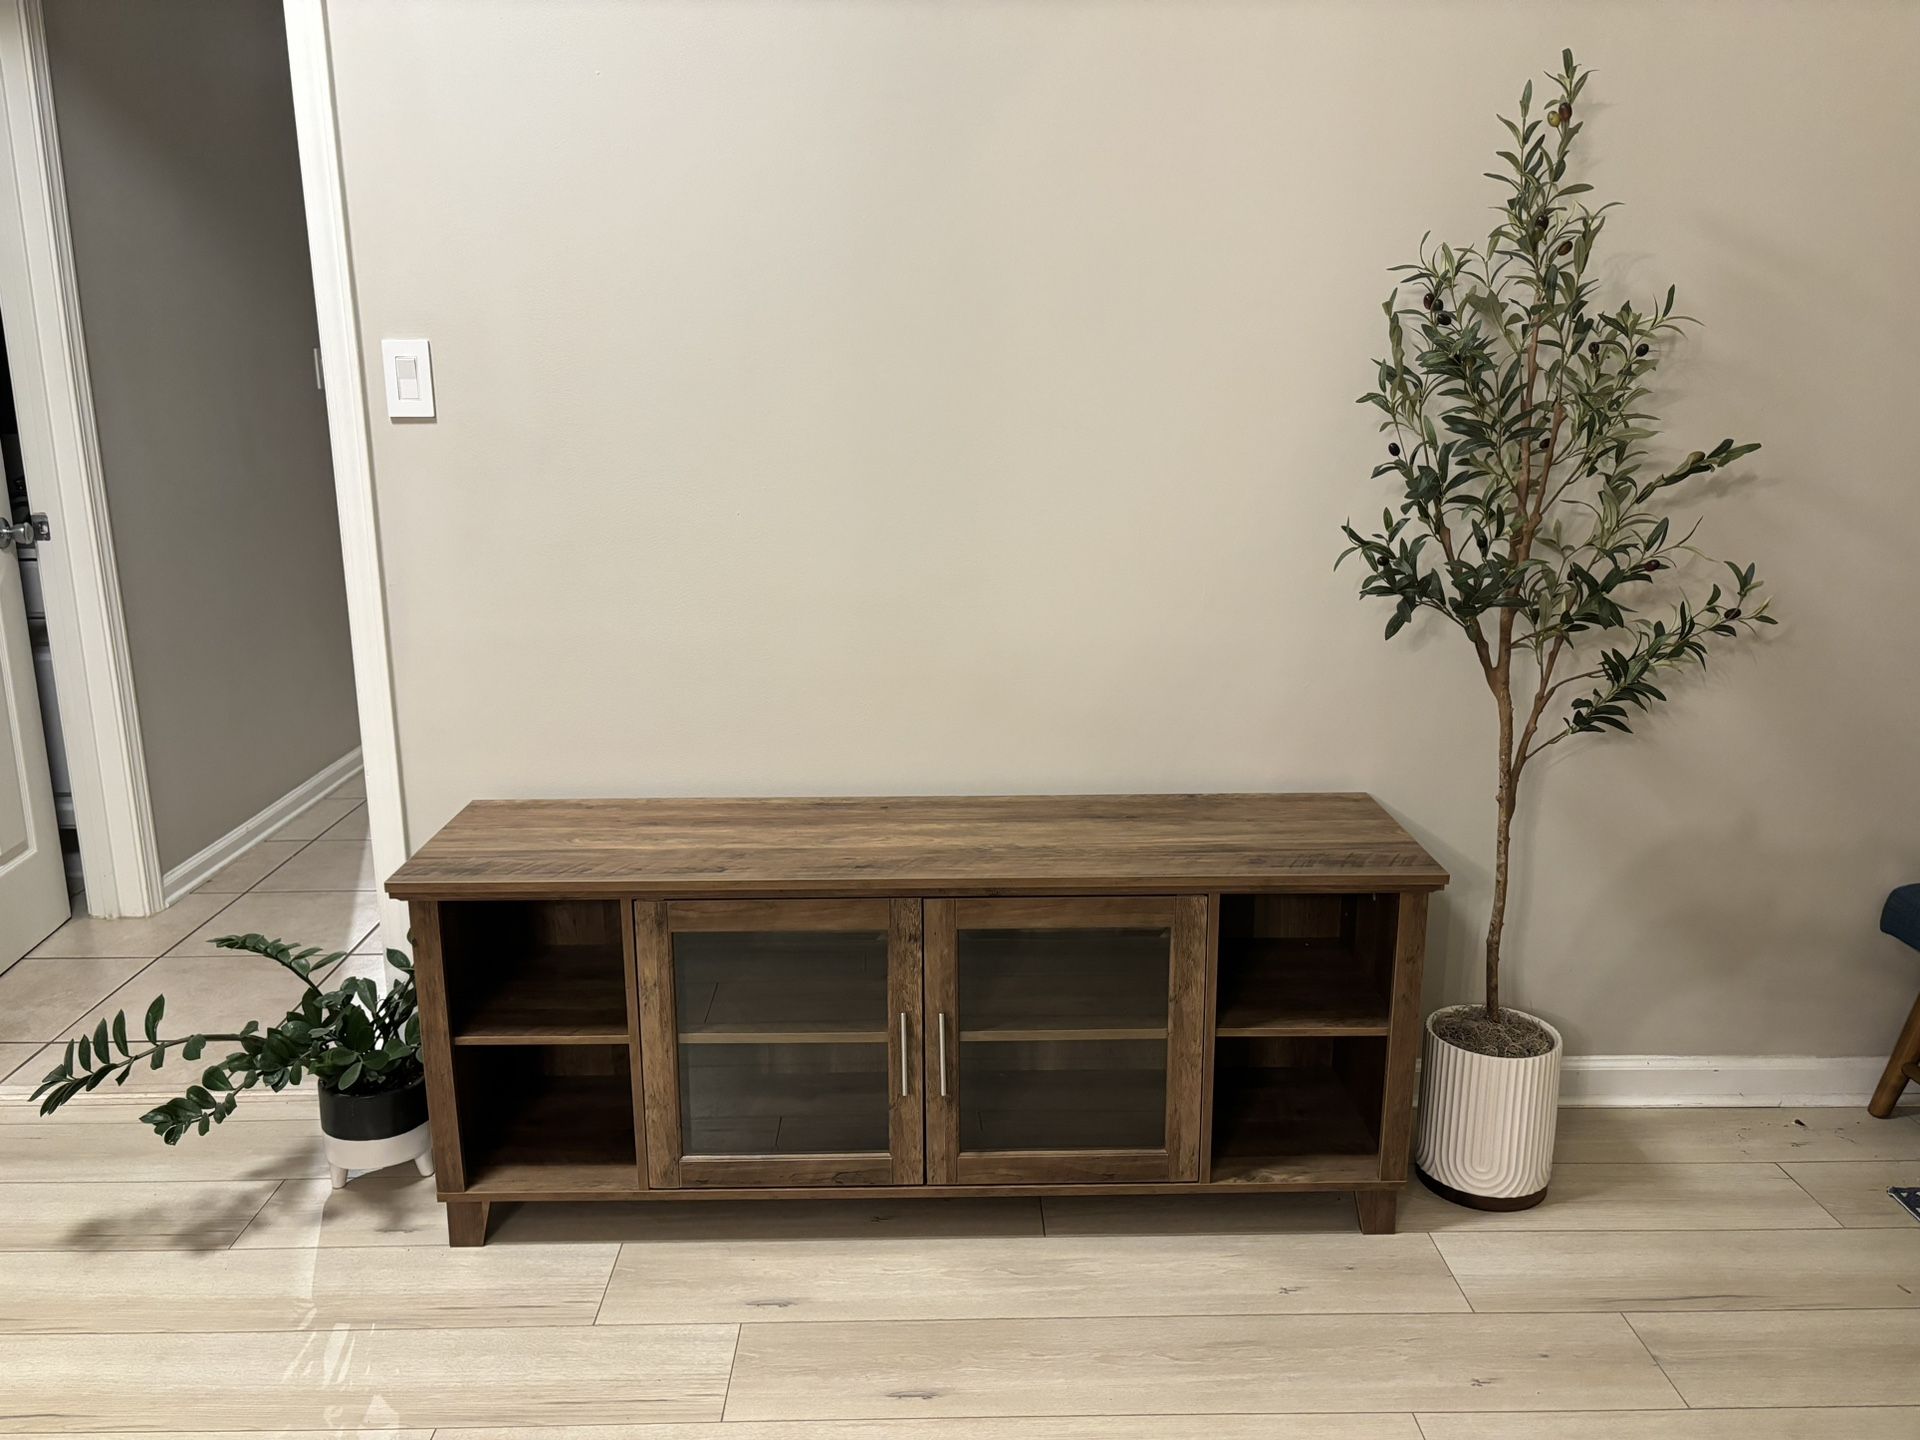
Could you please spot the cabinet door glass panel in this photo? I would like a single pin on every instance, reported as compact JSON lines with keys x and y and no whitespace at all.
{"x":775,"y":1099}
{"x":783,"y":1041}
{"x":1063,"y":1037}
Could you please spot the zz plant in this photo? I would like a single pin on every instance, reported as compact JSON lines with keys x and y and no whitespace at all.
{"x":1530,"y":514}
{"x":350,"y":1037}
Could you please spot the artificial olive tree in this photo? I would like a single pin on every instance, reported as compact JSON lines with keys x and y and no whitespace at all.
{"x":1530,"y":514}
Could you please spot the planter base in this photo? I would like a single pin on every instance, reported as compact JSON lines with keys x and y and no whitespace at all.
{"x":344,"y":1155}
{"x":1480,"y":1202}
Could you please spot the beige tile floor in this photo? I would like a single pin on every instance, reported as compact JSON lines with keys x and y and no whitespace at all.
{"x":1693,"y":1275}
{"x":317,"y":889}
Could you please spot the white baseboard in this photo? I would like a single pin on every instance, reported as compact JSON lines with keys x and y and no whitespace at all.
{"x":243,"y":837}
{"x":1729,"y":1080}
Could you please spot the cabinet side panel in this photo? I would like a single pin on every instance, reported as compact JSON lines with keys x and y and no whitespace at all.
{"x":1403,"y":1037}
{"x":1186,"y":1036}
{"x":941,"y":1080}
{"x":436,"y":1044}
{"x":659,"y":1044}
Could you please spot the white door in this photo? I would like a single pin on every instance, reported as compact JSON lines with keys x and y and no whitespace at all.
{"x":33,"y":880}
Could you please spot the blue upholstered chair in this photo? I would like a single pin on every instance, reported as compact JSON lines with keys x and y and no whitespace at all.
{"x":1901,"y":919}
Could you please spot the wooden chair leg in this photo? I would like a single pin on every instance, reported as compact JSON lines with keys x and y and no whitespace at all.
{"x":1377,"y":1209}
{"x":1893,"y":1080}
{"x":467,"y":1222}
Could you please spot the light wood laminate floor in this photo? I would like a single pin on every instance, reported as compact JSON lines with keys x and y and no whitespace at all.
{"x":224,"y":1288}
{"x":1694,"y":1275}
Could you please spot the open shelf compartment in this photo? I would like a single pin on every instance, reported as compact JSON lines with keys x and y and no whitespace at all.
{"x":1294,"y":1108}
{"x":1305,"y":965}
{"x":549,"y":972}
{"x":547,"y":1118}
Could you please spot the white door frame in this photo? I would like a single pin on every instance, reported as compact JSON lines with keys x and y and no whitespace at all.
{"x":46,"y":352}
{"x":47,"y":356}
{"x":315,"y":122}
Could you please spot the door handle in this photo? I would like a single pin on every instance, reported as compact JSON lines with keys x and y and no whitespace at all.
{"x":27,"y":532}
{"x":943,"y":1054}
{"x":903,"y":1054}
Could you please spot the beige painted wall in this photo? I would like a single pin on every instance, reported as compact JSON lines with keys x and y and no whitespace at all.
{"x":913,"y":396}
{"x":189,"y":238}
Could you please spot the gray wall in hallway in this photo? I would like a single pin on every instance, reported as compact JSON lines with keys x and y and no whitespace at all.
{"x":183,"y":185}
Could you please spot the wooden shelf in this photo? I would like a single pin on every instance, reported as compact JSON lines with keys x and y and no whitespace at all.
{"x":1290,"y":1123}
{"x":1285,"y":988}
{"x":1293,"y":1169}
{"x":1015,"y":1034}
{"x":555,"y":1133}
{"x":554,"y":995}
{"x":777,"y":1033}
{"x":541,"y":1180}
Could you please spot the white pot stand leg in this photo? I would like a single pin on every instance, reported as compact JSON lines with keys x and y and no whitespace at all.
{"x":415,"y":1145}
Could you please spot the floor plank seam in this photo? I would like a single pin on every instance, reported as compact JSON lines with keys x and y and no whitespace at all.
{"x":1672,"y":1384}
{"x":613,"y":1269}
{"x":1815,"y":1198}
{"x":733,"y":1362}
{"x":1445,"y":1264}
{"x":279,"y":1185}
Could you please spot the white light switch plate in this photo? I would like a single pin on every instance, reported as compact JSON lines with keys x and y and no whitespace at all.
{"x":409,"y":370}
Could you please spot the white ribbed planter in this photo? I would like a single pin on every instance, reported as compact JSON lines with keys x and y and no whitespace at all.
{"x":1487,"y":1122}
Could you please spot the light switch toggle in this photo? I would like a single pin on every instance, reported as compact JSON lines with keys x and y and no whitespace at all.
{"x":409,"y":374}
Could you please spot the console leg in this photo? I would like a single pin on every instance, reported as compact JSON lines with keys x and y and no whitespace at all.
{"x":1377,"y":1209}
{"x":467,"y":1222}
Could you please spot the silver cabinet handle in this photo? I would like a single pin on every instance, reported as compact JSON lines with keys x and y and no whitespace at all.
{"x":943,"y":1054}
{"x":903,"y":1053}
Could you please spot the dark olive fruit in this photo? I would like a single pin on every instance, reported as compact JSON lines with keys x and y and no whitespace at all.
{"x":1430,"y":300}
{"x":1392,"y":449}
{"x":1593,"y":348}
{"x":1654,"y":565}
{"x":1540,"y":221}
{"x":1445,"y":317}
{"x":1566,"y":248}
{"x":1564,"y":112}
{"x":1734,"y":614}
{"x":1640,"y":350}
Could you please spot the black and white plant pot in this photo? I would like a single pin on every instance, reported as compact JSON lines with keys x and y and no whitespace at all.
{"x":371,"y":1132}
{"x":1487,"y":1122}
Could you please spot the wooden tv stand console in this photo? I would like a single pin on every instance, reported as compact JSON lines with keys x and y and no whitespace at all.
{"x":1029,"y":995}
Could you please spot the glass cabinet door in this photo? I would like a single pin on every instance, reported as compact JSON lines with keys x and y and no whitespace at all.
{"x":1064,"y":1039}
{"x":781,"y":1042}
